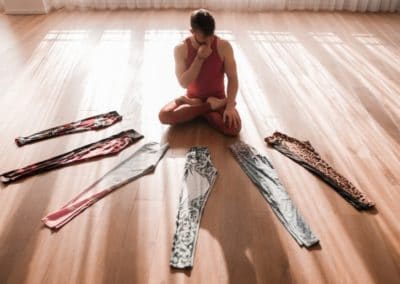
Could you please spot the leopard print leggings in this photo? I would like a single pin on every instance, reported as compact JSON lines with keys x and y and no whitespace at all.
{"x":304,"y":154}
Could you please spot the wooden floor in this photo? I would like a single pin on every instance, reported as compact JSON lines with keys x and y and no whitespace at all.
{"x":331,"y":78}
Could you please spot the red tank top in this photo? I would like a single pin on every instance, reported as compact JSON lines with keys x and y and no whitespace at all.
{"x":210,"y":81}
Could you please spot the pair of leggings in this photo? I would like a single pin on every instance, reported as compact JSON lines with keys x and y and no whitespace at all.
{"x":304,"y":154}
{"x":106,"y":147}
{"x":140,"y":163}
{"x":90,"y":123}
{"x":199,"y":178}
{"x":261,"y":172}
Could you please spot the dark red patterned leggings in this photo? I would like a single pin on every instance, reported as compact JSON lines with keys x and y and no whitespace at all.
{"x":106,"y":147}
{"x":90,"y":123}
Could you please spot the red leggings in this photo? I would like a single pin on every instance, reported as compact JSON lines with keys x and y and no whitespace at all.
{"x":177,"y":112}
{"x":105,"y":147}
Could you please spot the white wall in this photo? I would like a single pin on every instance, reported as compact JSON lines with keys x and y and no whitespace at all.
{"x":43,"y":6}
{"x":25,"y":7}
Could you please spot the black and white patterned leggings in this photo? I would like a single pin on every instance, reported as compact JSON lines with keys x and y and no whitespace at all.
{"x":261,"y":172}
{"x":199,"y":178}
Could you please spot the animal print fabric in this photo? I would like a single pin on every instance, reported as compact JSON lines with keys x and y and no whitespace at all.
{"x":303,"y":153}
{"x":90,"y":123}
{"x":198,"y":180}
{"x":140,"y":163}
{"x":261,"y":172}
{"x":106,"y":147}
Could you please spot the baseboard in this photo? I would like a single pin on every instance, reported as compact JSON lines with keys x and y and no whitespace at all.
{"x":24,"y":12}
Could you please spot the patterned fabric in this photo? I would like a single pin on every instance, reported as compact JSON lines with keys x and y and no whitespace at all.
{"x":263,"y":175}
{"x":140,"y":163}
{"x":91,"y":123}
{"x":199,"y":178}
{"x":304,"y":154}
{"x":106,"y":147}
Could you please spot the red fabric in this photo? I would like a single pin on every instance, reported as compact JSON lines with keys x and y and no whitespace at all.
{"x":210,"y":81}
{"x":215,"y":119}
{"x":103,"y":148}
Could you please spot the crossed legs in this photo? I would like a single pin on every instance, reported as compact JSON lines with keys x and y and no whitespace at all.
{"x":184,"y":109}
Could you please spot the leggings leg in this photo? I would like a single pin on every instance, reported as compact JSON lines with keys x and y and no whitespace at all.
{"x":263,"y":175}
{"x":176,"y":112}
{"x":304,"y":154}
{"x":90,"y":123}
{"x":106,"y":147}
{"x":199,"y":178}
{"x":140,"y":163}
{"x":215,"y":119}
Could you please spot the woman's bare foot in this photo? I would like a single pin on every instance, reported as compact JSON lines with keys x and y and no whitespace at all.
{"x":216,"y":103}
{"x":189,"y":101}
